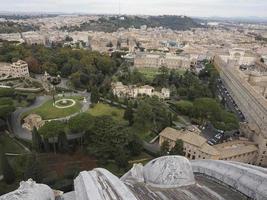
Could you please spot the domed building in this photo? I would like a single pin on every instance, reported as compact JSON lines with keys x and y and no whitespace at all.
{"x":164,"y":178}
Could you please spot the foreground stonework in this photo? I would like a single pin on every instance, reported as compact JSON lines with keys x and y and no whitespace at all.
{"x":30,"y":190}
{"x":169,"y":177}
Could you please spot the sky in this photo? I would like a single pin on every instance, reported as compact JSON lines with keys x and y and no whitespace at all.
{"x":201,"y":8}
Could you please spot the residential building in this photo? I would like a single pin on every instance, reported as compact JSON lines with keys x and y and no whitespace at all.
{"x":196,"y":147}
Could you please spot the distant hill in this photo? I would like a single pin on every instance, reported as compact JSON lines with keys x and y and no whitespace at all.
{"x":12,"y":27}
{"x":111,"y":24}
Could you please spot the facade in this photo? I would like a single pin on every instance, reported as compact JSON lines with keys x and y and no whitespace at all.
{"x":157,"y":60}
{"x":168,"y":177}
{"x":250,"y":101}
{"x":133,"y":91}
{"x":31,"y":121}
{"x":17,"y":69}
{"x":196,"y":147}
{"x":241,"y":56}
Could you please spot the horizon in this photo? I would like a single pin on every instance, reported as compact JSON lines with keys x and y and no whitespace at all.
{"x":192,"y":8}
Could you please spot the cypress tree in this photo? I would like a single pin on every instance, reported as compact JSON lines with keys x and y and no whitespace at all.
{"x":36,"y":140}
{"x":8,"y":172}
{"x":63,"y":146}
{"x":128,"y":115}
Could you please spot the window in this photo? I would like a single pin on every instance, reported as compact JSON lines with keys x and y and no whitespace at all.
{"x":193,"y":157}
{"x":264,"y":152}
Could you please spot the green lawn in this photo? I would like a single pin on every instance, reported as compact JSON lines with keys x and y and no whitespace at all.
{"x":48,"y":111}
{"x":150,"y":73}
{"x":101,"y":109}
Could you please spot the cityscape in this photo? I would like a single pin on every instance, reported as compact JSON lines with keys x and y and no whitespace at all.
{"x":124,"y":100}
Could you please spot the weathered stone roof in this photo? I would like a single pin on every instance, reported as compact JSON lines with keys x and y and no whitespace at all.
{"x":191,"y":138}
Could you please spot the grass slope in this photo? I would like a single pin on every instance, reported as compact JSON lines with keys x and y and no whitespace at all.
{"x":101,"y":109}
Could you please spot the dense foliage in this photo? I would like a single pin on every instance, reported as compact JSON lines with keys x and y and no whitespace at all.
{"x":85,"y":68}
{"x":111,"y":24}
{"x":208,"y":109}
{"x":12,"y":27}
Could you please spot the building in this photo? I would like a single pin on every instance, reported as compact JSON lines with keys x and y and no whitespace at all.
{"x":133,"y":91}
{"x":168,"y":177}
{"x":31,"y":121}
{"x":249,"y":100}
{"x":241,"y":56}
{"x":157,"y":60}
{"x":17,"y":69}
{"x":196,"y":147}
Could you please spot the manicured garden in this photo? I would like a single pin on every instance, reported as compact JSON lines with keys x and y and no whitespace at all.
{"x":49,"y":111}
{"x":101,"y":109}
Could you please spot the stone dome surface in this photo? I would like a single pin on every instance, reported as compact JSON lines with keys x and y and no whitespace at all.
{"x":169,"y":172}
{"x":30,"y":190}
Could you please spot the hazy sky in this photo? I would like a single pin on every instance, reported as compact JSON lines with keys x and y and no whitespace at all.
{"x":226,"y":8}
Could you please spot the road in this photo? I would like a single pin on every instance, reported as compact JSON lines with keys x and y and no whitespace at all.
{"x":229,"y":101}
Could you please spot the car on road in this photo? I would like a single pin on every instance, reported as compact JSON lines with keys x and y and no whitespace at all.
{"x":210,"y":143}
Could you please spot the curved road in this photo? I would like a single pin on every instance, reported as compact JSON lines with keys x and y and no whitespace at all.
{"x":23,"y":133}
{"x":16,"y":117}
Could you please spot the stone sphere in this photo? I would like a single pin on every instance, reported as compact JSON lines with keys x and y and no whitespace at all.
{"x":169,"y":172}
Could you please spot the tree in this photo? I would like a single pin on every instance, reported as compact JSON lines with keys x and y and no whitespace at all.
{"x":106,"y":138}
{"x":34,"y":65}
{"x":36,"y":140}
{"x":134,"y":146}
{"x":94,"y":95}
{"x":51,"y":130}
{"x":184,"y":107}
{"x":164,"y":148}
{"x":81,"y":123}
{"x":178,"y":148}
{"x":8,"y":172}
{"x":128,"y":115}
{"x":121,"y":159}
{"x":50,"y":67}
{"x":63,"y":145}
{"x":68,"y":39}
{"x":33,"y":169}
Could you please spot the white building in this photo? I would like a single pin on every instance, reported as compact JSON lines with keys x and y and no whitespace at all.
{"x":133,"y":91}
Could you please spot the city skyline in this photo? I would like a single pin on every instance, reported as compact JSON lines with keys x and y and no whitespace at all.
{"x":200,"y":8}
